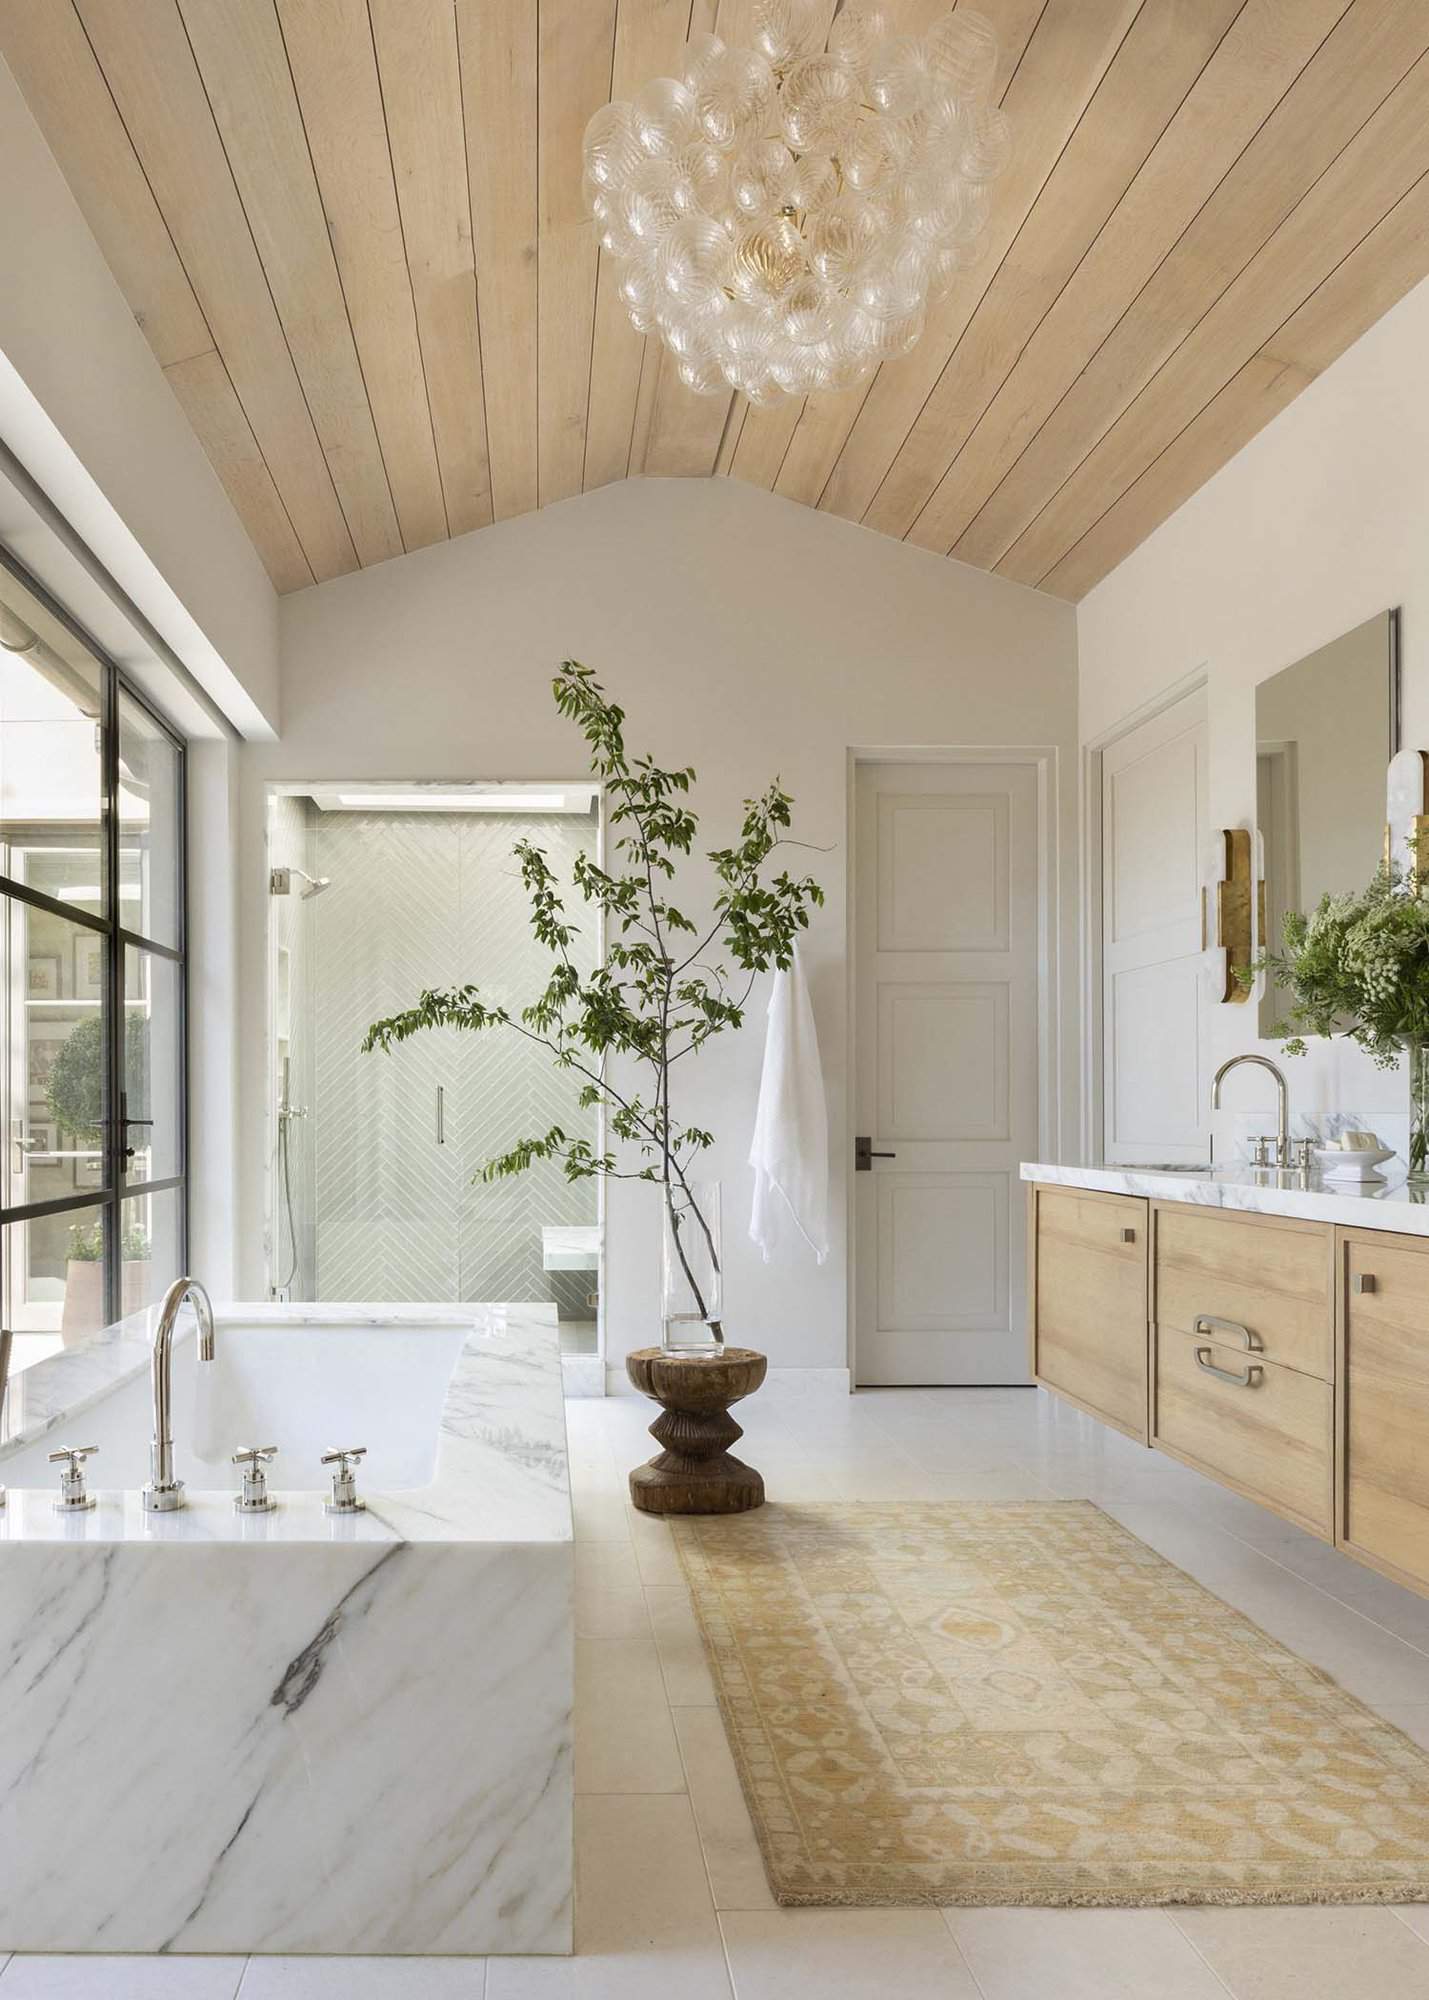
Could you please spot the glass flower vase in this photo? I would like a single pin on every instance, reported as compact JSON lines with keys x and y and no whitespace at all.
{"x":1416,"y":1061}
{"x":691,"y":1268}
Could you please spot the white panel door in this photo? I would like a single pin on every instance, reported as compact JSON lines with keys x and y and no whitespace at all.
{"x":946,"y":932}
{"x":1154,"y":823}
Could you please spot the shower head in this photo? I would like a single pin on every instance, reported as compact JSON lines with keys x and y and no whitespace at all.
{"x":280,"y":882}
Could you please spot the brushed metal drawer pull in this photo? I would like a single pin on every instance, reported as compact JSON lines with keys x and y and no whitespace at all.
{"x":1362,"y":1281}
{"x":1251,"y":1378}
{"x":1128,"y":1235}
{"x":1206,"y":1322}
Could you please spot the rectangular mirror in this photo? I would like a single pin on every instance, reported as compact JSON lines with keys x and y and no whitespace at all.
{"x":1325,"y":729}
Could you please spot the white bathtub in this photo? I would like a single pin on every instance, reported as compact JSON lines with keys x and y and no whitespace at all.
{"x":293,"y":1732}
{"x":306,"y":1381}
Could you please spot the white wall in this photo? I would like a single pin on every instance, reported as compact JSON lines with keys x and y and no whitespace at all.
{"x":1318,"y":523}
{"x":85,"y":408}
{"x":745,"y":635}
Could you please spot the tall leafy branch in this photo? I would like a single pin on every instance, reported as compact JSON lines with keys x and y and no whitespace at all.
{"x":668,"y":982}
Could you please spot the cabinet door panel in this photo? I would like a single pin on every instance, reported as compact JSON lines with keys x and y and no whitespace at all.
{"x":1385,"y":1431}
{"x":1090,"y":1331}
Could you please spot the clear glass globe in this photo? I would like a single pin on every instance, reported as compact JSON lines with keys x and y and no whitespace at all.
{"x":819,"y":104}
{"x":857,"y":32}
{"x":733,"y":94}
{"x":783,"y":29}
{"x":611,"y":150}
{"x":963,"y":48}
{"x":760,"y":178}
{"x":663,"y":116}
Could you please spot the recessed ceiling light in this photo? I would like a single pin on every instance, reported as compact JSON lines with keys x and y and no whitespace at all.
{"x":454,"y":801}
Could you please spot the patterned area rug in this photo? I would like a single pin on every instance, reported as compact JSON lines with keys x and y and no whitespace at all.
{"x":947,"y":1704}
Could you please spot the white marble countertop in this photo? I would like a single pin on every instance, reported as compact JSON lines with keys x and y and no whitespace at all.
{"x":1387,"y":1204}
{"x":501,"y":1472}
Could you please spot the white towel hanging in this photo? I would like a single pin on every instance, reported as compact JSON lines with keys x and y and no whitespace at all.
{"x":790,"y":1149}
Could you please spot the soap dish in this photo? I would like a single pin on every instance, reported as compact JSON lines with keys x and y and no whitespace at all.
{"x":1336,"y":1164}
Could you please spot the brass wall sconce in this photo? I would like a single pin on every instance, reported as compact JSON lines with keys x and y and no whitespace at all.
{"x":1231,"y":902}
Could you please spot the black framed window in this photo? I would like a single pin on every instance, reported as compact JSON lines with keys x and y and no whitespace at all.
{"x":92,"y":988}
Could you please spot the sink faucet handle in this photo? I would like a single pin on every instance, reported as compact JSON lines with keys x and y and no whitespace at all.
{"x":254,"y":1497}
{"x":344,"y":1480}
{"x":73,"y":1498}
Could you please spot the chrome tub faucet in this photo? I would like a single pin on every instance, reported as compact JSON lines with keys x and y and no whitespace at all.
{"x":164,"y":1494}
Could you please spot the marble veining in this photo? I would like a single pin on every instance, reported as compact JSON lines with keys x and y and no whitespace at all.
{"x":1388,"y":1204}
{"x":307,"y":1734}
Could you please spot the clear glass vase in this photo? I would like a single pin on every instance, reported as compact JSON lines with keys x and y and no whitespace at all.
{"x":691,"y":1268}
{"x":1416,"y":1061}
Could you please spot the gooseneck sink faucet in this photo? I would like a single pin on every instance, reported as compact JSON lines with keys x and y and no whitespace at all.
{"x":1283,"y":1155}
{"x":164,"y":1494}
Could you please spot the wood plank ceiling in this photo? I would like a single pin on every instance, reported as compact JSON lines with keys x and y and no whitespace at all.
{"x":353,"y":232}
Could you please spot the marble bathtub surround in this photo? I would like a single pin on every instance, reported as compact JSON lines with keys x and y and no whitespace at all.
{"x":1392,"y":1203}
{"x":325,"y":1733}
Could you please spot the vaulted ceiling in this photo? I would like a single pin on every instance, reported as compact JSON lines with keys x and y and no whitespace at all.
{"x":353,"y":232}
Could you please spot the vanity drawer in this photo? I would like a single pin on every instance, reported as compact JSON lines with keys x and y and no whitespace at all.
{"x":1270,"y":1437}
{"x":1271,"y":1275}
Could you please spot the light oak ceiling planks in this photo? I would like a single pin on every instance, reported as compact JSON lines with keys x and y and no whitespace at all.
{"x":1375,"y":276}
{"x":355,"y":236}
{"x":334,"y":65}
{"x":497,"y":53}
{"x":1260,"y":57}
{"x":1350,"y":75}
{"x":577,"y":48}
{"x":1164,"y":50}
{"x":1377,"y":168}
{"x":421,"y":89}
{"x":143,"y":49}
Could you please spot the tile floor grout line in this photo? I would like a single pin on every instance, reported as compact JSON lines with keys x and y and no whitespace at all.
{"x":1418,"y":1936}
{"x":1223,"y":1984}
{"x":963,"y":1959}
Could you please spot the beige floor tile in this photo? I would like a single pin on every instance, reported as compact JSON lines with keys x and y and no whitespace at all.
{"x":364,"y":1979}
{"x":736,"y":1867}
{"x":1081,"y":1955}
{"x":601,"y":1517}
{"x":95,"y":1976}
{"x":1416,"y":1915}
{"x":853,"y":1954}
{"x":1310,"y":1954}
{"x":625,"y":1740}
{"x":645,"y":1925}
{"x":654,"y":1551}
{"x":610,"y":1599}
{"x":682,"y":1650}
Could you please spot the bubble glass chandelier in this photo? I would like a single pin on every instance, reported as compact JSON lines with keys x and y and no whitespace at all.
{"x":782,"y":216}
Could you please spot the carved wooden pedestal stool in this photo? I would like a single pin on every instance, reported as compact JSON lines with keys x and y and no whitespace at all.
{"x":695,"y":1474}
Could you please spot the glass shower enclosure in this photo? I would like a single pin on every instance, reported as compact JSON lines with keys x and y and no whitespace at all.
{"x":375,"y":1160}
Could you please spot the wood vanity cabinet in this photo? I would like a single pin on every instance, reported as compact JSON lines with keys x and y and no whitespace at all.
{"x":1382,"y":1500}
{"x":1086,"y":1293}
{"x":1287,"y":1359}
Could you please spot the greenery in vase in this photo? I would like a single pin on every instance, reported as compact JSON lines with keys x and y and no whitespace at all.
{"x":659,"y":996}
{"x":1358,"y":966}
